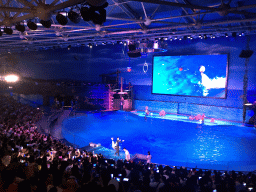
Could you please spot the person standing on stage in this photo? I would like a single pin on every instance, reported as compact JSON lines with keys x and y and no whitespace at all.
{"x":122,"y":103}
{"x":117,"y":147}
{"x":146,"y":112}
{"x":127,"y":154}
{"x":149,"y":157}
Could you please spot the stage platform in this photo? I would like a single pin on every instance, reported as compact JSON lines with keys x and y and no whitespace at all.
{"x":185,"y":118}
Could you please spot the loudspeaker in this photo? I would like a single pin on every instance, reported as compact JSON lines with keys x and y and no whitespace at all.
{"x":246,"y":53}
{"x":134,"y":54}
{"x":132,"y":47}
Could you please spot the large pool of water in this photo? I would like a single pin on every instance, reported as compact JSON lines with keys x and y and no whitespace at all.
{"x":171,"y":142}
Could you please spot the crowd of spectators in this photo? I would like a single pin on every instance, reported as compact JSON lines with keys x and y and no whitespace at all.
{"x":34,"y":162}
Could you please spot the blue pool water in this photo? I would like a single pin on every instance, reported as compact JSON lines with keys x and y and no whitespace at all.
{"x":171,"y":142}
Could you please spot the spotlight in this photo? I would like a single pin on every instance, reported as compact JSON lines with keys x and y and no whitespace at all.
{"x":31,"y":25}
{"x":61,"y":19}
{"x":20,"y":27}
{"x":99,"y":18}
{"x":226,"y":35}
{"x":90,"y":45}
{"x":11,"y":78}
{"x":97,"y":14}
{"x":241,"y":34}
{"x":46,"y":24}
{"x":86,"y":13}
{"x":246,"y":53}
{"x":74,"y":17}
{"x":8,"y":31}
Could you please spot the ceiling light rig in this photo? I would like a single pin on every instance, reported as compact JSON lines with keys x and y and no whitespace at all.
{"x":32,"y":25}
{"x":99,"y":17}
{"x":46,"y":24}
{"x":20,"y":27}
{"x":90,"y":45}
{"x":8,"y":31}
{"x":74,"y":16}
{"x":85,"y":13}
{"x":63,"y":20}
{"x":96,"y":14}
{"x":241,"y":34}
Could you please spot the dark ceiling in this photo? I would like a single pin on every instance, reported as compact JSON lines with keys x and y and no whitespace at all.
{"x":126,"y":20}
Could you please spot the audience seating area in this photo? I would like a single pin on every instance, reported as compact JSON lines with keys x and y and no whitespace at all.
{"x":34,"y":162}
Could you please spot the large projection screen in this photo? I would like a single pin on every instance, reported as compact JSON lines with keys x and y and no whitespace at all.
{"x":191,"y":75}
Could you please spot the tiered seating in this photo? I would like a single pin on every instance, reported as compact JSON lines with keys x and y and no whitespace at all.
{"x":32,"y":161}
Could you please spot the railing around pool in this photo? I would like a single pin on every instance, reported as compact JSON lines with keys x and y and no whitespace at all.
{"x":76,"y":140}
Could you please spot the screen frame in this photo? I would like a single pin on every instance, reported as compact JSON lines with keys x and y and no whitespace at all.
{"x":227,"y":75}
